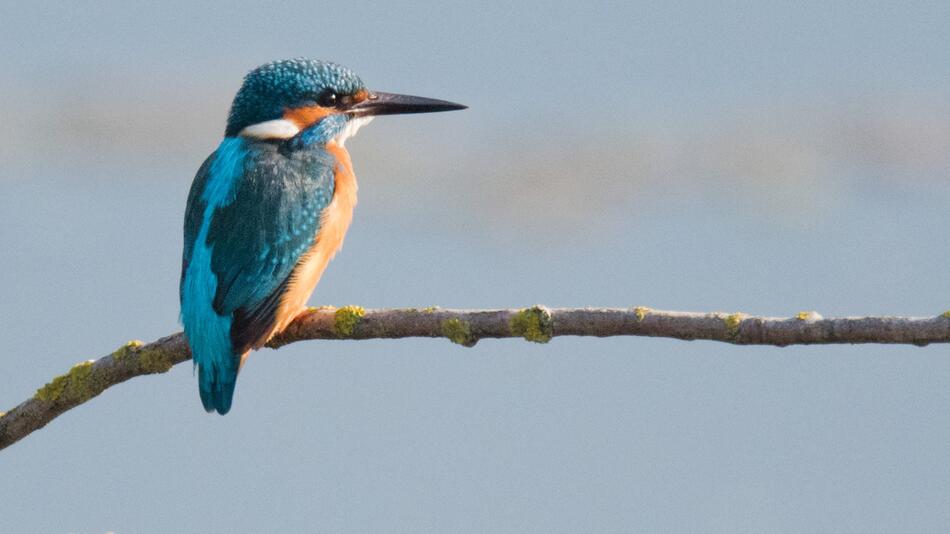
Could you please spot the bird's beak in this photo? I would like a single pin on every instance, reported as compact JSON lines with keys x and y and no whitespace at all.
{"x":391,"y":104}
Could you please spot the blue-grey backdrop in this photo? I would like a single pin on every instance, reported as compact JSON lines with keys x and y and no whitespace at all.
{"x":681,"y":155}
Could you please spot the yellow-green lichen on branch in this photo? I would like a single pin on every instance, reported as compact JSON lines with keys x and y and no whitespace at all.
{"x":733,"y":321}
{"x":533,"y":324}
{"x":155,"y":361}
{"x":808,"y":316}
{"x":346,"y":318}
{"x":150,"y":361}
{"x":459,"y":332}
{"x":641,"y":312}
{"x":946,"y":314}
{"x":78,"y":385}
{"x":126,"y":349}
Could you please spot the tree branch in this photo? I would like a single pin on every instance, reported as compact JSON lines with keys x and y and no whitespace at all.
{"x":465,"y":327}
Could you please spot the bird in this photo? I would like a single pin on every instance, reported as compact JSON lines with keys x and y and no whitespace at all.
{"x":269,"y":209}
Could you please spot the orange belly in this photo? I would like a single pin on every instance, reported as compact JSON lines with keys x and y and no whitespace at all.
{"x":334,"y":221}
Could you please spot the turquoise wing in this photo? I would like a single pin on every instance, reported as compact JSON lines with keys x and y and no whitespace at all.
{"x":259,"y":237}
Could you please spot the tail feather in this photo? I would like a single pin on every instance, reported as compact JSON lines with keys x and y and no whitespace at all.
{"x":209,"y":336}
{"x":216,"y":386}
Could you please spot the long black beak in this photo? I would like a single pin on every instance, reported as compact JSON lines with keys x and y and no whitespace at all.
{"x":392,"y":104}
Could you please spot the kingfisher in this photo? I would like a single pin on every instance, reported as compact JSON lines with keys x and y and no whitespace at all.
{"x":269,"y":208}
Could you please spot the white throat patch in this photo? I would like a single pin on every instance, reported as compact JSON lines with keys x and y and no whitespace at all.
{"x":352,"y":126}
{"x":275,"y":129}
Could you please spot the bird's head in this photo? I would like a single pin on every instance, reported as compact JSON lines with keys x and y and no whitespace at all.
{"x":318,"y":100}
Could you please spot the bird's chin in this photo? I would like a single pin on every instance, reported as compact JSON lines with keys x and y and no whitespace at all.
{"x":352,"y":126}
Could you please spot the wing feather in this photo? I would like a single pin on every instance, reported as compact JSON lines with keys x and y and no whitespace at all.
{"x":257,"y":239}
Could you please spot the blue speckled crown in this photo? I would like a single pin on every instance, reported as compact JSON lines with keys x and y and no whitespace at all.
{"x":273,"y":87}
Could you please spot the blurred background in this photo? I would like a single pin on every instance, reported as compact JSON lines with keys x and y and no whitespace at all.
{"x":678,"y":155}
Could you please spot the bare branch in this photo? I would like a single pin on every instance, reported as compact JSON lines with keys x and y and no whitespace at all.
{"x":465,"y":327}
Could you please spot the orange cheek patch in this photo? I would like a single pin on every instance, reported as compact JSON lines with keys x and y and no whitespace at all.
{"x":360,"y":96}
{"x":307,"y":116}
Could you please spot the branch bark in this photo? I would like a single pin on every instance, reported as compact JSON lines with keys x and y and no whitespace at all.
{"x":465,"y":327}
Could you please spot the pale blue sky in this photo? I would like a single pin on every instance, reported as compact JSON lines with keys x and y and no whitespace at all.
{"x":744,"y":156}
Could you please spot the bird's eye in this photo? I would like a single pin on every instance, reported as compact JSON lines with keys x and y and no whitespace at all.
{"x":327,"y":100}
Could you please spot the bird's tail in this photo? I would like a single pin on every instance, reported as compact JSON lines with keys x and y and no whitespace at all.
{"x":213,"y":354}
{"x":216,"y":384}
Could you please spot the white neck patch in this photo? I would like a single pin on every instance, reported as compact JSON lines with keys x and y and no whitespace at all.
{"x":352,"y":126}
{"x":285,"y":129}
{"x":275,"y":129}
